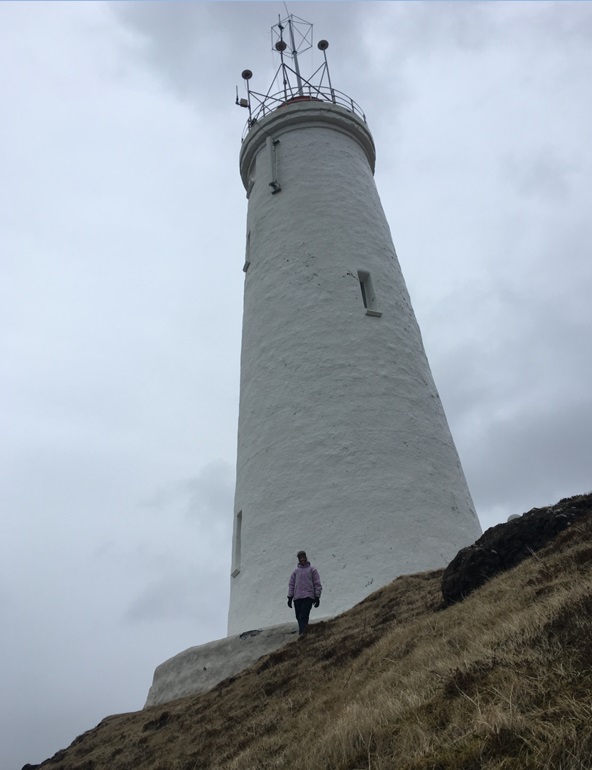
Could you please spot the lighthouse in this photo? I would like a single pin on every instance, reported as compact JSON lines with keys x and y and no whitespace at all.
{"x":344,"y":449}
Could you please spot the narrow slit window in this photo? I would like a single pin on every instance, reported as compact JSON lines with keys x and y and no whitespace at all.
{"x":364,"y":297}
{"x":272,"y":145}
{"x":251,"y":181}
{"x":247,"y":253}
{"x":236,"y":544}
{"x":368,"y":293}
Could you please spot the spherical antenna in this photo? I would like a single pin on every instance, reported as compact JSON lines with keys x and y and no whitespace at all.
{"x":322,"y":45}
{"x":246,"y":74}
{"x":280,"y":46}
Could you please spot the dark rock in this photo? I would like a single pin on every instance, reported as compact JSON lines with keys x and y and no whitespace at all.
{"x":247,"y":634}
{"x":505,"y":545}
{"x":160,"y":721}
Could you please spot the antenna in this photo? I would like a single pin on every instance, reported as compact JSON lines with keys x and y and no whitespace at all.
{"x":322,"y":45}
{"x":246,"y":75}
{"x":295,"y":54}
{"x":289,"y":84}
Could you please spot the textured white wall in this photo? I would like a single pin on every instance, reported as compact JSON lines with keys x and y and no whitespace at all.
{"x":343,"y":445}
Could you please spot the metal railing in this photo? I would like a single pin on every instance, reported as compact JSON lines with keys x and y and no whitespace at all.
{"x":272,"y":102}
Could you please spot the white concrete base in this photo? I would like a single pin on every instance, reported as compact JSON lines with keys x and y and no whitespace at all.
{"x":200,"y":668}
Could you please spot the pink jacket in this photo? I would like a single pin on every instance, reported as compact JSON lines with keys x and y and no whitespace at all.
{"x":305,"y":582}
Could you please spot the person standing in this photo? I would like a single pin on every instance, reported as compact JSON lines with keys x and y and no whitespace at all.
{"x":304,"y":589}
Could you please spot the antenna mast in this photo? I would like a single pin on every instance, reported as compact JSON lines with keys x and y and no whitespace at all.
{"x":288,"y":82}
{"x":295,"y":54}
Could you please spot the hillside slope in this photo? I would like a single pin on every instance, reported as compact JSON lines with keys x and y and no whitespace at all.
{"x":400,"y":682}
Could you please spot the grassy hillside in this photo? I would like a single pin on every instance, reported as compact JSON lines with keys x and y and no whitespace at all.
{"x":400,"y":682}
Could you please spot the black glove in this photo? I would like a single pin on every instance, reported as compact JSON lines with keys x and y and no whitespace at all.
{"x":317,"y":601}
{"x":290,"y":601}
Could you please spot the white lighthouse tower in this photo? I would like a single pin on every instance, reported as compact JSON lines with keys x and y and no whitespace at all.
{"x":343,"y":445}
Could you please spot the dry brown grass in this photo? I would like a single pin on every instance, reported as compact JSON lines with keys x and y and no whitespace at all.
{"x":499,"y":682}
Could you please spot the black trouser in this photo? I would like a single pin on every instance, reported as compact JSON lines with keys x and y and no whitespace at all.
{"x":302,"y":610}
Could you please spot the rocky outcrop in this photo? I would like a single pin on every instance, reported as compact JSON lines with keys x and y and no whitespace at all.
{"x":505,"y":545}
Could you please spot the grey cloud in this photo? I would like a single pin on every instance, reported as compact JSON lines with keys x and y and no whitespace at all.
{"x":231,"y":36}
{"x":533,"y":461}
{"x":212,"y":490}
{"x":208,"y":494}
{"x":561,"y":21}
{"x":425,"y":27}
{"x":176,"y":39}
{"x":543,"y":174}
{"x":191,"y":594}
{"x":188,"y":581}
{"x":524,"y":431}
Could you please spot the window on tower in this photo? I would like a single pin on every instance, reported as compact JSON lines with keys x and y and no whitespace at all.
{"x":251,"y":181}
{"x":247,"y":253}
{"x":236,"y":544}
{"x":368,"y":293}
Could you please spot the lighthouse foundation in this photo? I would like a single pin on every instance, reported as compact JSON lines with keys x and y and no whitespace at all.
{"x":199,"y":669}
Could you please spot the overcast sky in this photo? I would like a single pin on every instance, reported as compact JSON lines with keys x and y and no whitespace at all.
{"x":122,"y":222}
